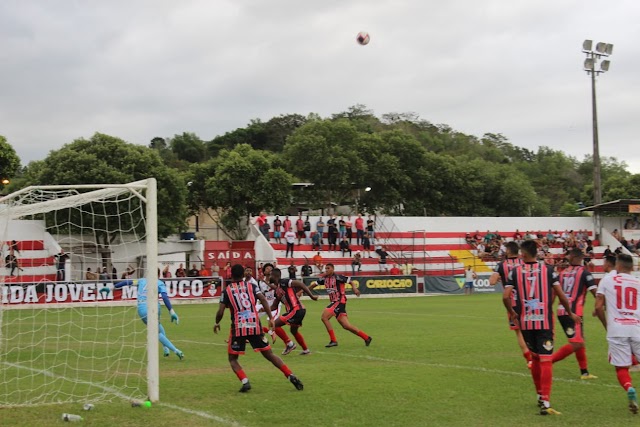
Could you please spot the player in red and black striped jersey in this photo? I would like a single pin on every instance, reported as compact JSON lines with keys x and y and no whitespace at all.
{"x":287,"y":292}
{"x":335,"y":285}
{"x":241,"y":297}
{"x":536,"y":286}
{"x":576,"y":281}
{"x":501,"y":274}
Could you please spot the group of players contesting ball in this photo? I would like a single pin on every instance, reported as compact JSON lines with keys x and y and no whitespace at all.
{"x":248,"y":300}
{"x":530,"y":288}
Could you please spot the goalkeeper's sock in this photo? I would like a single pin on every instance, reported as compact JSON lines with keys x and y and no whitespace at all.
{"x":165,"y":351}
{"x":164,"y":340}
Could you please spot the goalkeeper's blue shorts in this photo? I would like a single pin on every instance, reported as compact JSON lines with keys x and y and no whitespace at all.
{"x":142,"y":312}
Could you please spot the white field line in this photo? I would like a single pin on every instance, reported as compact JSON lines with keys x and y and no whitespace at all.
{"x":118,"y":394}
{"x":437,"y":365}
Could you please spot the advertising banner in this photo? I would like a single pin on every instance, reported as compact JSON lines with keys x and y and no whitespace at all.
{"x":90,"y":292}
{"x":375,"y":284}
{"x":455,"y":285}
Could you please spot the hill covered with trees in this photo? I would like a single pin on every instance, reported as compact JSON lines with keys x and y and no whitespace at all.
{"x":411,"y":166}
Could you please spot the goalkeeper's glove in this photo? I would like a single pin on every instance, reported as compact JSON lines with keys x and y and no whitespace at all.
{"x":174,"y":317}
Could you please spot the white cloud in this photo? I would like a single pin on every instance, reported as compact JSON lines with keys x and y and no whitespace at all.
{"x":141,"y":69}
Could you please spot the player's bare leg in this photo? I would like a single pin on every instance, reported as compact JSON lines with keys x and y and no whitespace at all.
{"x":326,"y":319}
{"x":344,"y":322}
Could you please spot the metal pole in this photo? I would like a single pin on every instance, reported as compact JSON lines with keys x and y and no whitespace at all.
{"x":597,"y":180}
{"x":597,"y":189}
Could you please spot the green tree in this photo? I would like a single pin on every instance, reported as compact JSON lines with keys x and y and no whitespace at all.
{"x":329,"y":154}
{"x":188,"y":147}
{"x":105,"y":159}
{"x":9,"y":161}
{"x":554,"y":177}
{"x":239,"y":183}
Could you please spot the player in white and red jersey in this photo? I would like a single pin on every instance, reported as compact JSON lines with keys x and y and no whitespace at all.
{"x":619,"y":294}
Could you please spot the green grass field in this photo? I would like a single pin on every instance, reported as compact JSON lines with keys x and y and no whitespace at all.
{"x":447,"y":360}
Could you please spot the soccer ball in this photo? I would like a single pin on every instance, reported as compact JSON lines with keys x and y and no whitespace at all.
{"x":363,"y":38}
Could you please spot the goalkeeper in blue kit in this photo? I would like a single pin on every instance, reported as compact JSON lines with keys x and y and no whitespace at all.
{"x":167,"y":345}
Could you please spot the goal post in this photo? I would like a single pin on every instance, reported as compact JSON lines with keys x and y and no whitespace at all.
{"x":63,"y":338}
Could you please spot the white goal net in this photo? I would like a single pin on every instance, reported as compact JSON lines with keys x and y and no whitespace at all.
{"x":63,"y":338}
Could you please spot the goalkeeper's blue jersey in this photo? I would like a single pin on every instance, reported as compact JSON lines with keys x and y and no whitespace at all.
{"x":142,"y":289}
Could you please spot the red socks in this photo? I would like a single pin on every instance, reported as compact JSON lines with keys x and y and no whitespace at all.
{"x":282,"y":335}
{"x":241,"y":375}
{"x":624,"y":378}
{"x":535,"y":372}
{"x":332,"y":336}
{"x":298,"y":336}
{"x":363,"y":335}
{"x":285,"y":370}
{"x":546,"y":377}
{"x":563,"y":352}
{"x":581,"y":355}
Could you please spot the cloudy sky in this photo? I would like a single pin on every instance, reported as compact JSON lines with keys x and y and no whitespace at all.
{"x":138,"y":69}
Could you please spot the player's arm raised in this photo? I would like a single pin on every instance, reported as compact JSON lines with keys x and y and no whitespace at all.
{"x":304,"y":288}
{"x":105,"y":290}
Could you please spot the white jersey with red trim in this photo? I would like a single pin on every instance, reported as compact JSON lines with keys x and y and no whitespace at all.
{"x":622,"y":296}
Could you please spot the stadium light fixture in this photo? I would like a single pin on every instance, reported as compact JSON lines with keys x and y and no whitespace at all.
{"x":591,"y":67}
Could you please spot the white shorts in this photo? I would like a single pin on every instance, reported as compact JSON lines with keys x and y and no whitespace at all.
{"x":274,"y":313}
{"x":621,"y":348}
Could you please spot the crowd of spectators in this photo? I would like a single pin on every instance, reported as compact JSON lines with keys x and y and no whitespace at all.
{"x":491,"y":245}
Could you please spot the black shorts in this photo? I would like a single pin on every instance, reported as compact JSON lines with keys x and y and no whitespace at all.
{"x":337,"y":308}
{"x":574,"y":332}
{"x":294,"y":318}
{"x":238,"y":344}
{"x":539,"y":341}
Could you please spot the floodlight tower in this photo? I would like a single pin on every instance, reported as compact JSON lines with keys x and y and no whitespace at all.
{"x":590,"y":66}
